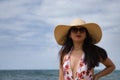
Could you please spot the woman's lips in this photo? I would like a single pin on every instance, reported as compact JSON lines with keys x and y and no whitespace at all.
{"x":78,"y":36}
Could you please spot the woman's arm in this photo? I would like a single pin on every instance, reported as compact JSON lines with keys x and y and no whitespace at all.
{"x":109,"y":68}
{"x":61,"y":74}
{"x":61,"y":77}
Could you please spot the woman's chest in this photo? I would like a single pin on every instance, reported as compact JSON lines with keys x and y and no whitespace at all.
{"x":75,"y":62}
{"x":75,"y":67}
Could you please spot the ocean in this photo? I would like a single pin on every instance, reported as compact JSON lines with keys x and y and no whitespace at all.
{"x":43,"y":75}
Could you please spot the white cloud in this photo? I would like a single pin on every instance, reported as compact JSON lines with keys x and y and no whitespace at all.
{"x":15,"y":8}
{"x":27,"y":26}
{"x":62,"y":11}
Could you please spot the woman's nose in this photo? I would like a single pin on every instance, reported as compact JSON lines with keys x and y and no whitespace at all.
{"x":78,"y":32}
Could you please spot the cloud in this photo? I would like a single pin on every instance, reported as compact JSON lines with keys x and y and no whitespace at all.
{"x":16,"y":8}
{"x":92,"y":11}
{"x":27,"y":27}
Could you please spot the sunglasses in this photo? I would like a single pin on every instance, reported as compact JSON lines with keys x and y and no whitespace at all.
{"x":76,"y":29}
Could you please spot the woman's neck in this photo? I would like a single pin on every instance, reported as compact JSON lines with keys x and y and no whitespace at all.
{"x":77,"y":46}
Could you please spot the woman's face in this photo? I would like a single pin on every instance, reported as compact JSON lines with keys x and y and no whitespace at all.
{"x":78,"y":34}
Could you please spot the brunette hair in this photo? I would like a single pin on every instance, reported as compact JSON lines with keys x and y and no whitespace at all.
{"x":93,"y":54}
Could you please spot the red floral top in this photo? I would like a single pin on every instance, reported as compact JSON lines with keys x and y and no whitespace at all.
{"x":82,"y":72}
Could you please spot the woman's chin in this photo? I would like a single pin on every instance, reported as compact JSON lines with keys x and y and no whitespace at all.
{"x":78,"y":40}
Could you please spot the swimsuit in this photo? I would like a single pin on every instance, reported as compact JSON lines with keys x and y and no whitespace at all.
{"x":82,"y":72}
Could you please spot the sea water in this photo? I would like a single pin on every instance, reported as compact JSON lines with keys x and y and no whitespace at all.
{"x":43,"y":75}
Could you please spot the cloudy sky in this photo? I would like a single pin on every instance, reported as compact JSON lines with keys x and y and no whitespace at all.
{"x":27,"y":30}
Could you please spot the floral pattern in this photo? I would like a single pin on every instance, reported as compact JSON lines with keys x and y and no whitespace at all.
{"x":82,"y":72}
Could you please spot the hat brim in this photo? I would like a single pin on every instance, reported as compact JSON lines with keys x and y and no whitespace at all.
{"x":93,"y":29}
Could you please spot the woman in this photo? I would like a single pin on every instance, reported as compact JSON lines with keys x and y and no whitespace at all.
{"x":79,"y":55}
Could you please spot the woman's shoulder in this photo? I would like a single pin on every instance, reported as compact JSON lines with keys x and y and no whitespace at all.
{"x":100,"y":49}
{"x":101,"y":52}
{"x":66,"y":57}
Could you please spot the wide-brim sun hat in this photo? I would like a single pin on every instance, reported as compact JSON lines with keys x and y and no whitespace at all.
{"x":93,"y":29}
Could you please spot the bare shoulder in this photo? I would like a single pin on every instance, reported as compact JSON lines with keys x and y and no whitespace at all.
{"x":65,"y":57}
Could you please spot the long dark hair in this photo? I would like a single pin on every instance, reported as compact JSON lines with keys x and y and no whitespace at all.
{"x":93,"y":53}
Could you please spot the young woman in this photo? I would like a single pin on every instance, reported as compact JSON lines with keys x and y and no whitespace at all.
{"x":79,"y":55}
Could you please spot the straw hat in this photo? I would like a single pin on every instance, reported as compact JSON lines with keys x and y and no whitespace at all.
{"x":93,"y":29}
